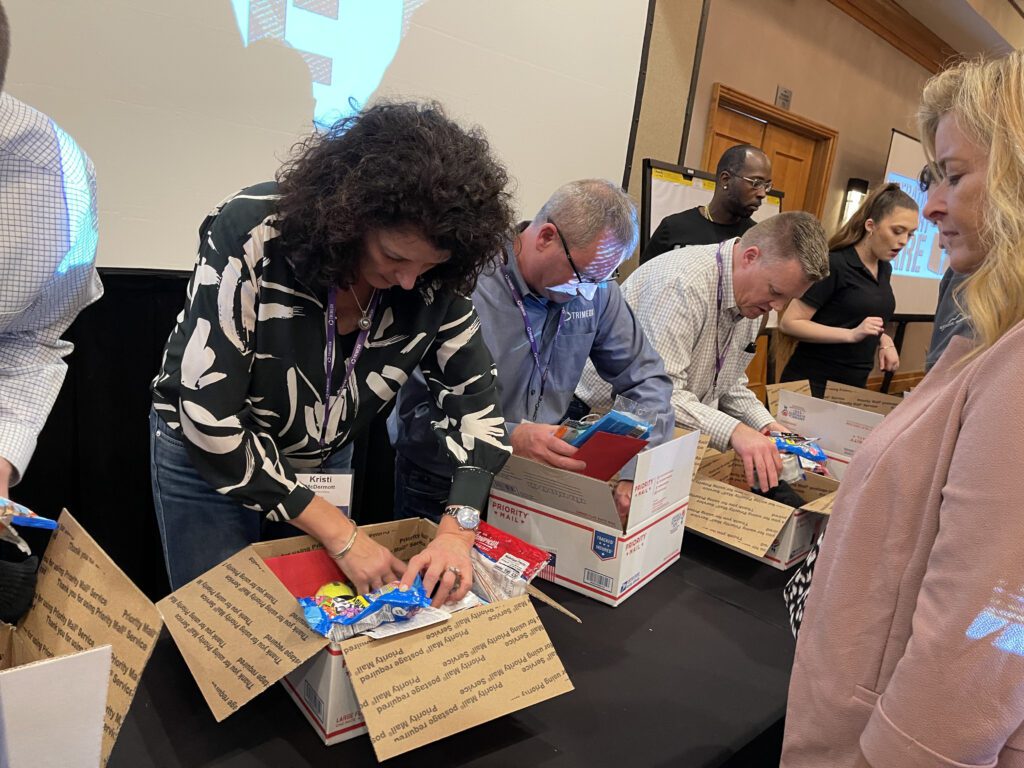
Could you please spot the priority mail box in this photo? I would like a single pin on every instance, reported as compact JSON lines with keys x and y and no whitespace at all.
{"x":723,"y":508}
{"x":574,"y":518}
{"x":240,"y":630}
{"x":843,"y":394}
{"x":839,"y":429}
{"x":69,"y":669}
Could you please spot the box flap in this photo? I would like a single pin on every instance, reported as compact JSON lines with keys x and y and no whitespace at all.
{"x":802,"y":387}
{"x":239,"y":629}
{"x":663,"y":477}
{"x":865,"y":399}
{"x":840,"y":429}
{"x":6,"y":646}
{"x":576,"y":494}
{"x":83,"y":600}
{"x":718,"y":466}
{"x":740,"y":518}
{"x":815,"y":486}
{"x":52,"y":711}
{"x":702,"y":450}
{"x":821,"y":505}
{"x":424,"y":685}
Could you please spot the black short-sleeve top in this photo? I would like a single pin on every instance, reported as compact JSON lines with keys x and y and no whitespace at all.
{"x":844,"y":299}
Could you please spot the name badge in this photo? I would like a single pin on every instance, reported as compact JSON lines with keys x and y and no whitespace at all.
{"x":336,"y":487}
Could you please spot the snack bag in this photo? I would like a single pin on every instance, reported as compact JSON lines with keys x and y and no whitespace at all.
{"x":804,"y":447}
{"x":12,"y":513}
{"x":339,"y":617}
{"x":503,"y":564}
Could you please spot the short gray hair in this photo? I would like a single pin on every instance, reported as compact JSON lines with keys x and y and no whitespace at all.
{"x":586,"y":209}
{"x":792,"y":235}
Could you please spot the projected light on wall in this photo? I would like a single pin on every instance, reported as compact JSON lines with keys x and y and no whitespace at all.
{"x":922,"y":256}
{"x":347,"y":44}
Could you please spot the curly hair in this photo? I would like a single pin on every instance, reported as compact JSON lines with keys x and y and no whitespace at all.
{"x":394,"y":166}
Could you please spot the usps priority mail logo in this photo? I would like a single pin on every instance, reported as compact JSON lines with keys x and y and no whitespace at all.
{"x":603,"y":545}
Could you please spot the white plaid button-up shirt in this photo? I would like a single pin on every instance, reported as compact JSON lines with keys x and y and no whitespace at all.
{"x":48,"y":240}
{"x":675,"y":298}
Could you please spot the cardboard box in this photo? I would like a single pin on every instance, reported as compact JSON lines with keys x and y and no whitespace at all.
{"x":240,"y":630}
{"x":574,"y":518}
{"x":840,"y":429}
{"x":843,"y":394}
{"x":69,"y":670}
{"x":723,"y":508}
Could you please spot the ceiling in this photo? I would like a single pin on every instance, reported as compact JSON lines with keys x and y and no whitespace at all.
{"x":958,"y":24}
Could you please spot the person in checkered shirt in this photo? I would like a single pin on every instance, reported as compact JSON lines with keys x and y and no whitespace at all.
{"x":701,"y":308}
{"x":48,"y":240}
{"x":47,"y":253}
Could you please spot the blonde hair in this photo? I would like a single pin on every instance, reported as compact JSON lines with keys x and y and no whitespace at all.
{"x":986,"y":98}
{"x":880,"y":203}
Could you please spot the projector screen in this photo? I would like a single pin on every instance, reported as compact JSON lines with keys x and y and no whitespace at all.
{"x":179,"y":104}
{"x":917,"y":270}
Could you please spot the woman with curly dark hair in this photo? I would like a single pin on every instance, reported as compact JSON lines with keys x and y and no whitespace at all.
{"x":312,"y":300}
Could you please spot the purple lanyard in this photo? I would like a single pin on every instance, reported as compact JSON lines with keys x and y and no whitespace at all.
{"x":357,"y":350}
{"x":532,"y":338}
{"x":720,"y":351}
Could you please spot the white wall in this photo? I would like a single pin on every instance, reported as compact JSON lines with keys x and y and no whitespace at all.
{"x":176,"y":113}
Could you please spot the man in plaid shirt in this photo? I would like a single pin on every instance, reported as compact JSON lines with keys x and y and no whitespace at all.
{"x":700,"y":307}
{"x":47,"y":251}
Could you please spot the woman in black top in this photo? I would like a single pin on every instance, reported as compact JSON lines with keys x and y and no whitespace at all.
{"x":840,"y":321}
{"x":386,"y":219}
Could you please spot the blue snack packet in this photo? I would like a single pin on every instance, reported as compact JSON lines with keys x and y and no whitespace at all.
{"x":339,"y":618}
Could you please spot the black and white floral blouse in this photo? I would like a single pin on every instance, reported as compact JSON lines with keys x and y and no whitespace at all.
{"x":243,"y":375}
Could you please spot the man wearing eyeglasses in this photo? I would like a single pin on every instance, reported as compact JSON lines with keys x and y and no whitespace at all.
{"x":744,"y":179}
{"x":546,"y":307}
{"x":701,"y":309}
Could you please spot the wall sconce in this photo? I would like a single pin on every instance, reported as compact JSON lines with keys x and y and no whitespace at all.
{"x":856,"y":191}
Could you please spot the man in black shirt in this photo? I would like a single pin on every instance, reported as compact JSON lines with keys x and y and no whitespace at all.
{"x":744,"y":180}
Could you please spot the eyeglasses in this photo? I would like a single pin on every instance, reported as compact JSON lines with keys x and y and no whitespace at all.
{"x":765,"y":184}
{"x":579,"y":278}
{"x":926,"y":178}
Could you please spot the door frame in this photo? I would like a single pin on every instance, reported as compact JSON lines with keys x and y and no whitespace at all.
{"x":825,"y":138}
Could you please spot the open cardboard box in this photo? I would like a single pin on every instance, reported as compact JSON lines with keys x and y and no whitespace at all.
{"x":840,"y":429}
{"x":723,"y":508}
{"x":69,"y":670}
{"x":574,"y":518}
{"x":240,"y":630}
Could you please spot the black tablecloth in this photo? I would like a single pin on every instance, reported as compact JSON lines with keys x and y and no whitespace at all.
{"x":685,"y":673}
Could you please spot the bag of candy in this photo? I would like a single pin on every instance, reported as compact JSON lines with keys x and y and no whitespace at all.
{"x":339,"y":616}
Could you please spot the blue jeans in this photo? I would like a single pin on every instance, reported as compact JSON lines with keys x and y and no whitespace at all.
{"x":199,"y":527}
{"x":418,"y":492}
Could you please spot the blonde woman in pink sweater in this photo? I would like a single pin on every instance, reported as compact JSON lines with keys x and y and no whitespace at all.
{"x":911,"y":652}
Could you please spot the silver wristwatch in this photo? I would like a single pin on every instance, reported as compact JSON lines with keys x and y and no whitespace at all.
{"x":467,"y":518}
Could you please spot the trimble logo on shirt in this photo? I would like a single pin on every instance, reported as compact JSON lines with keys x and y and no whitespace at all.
{"x":579,"y":314}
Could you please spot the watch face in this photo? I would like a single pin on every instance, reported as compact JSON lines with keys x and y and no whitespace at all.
{"x":467,"y":517}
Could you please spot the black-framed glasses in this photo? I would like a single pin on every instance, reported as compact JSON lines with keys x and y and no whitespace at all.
{"x":926,"y":178}
{"x":756,"y":183}
{"x":565,"y":246}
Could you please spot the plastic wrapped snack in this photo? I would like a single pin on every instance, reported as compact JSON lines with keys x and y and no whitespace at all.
{"x":14,"y":514}
{"x":804,"y":447}
{"x":503,"y":564}
{"x":339,"y":617}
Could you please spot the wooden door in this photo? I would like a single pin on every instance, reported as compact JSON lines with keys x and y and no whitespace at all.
{"x":729,"y":128}
{"x":791,"y":155}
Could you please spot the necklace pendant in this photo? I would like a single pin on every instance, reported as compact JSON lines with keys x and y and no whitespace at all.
{"x":364,"y":323}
